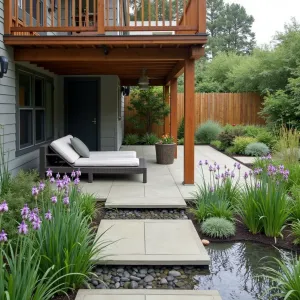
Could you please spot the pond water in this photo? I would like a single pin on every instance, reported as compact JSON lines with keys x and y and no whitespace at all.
{"x":234,"y":269}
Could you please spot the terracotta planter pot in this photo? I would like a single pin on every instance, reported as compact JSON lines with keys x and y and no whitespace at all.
{"x":165,"y":153}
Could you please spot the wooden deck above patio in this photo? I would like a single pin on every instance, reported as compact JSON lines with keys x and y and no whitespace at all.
{"x":82,"y":20}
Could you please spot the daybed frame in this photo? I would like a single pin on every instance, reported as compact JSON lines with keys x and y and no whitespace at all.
{"x":51,"y":160}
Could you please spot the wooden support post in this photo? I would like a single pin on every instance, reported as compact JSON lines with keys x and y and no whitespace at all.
{"x":167,"y":100}
{"x":100,"y":17}
{"x":189,"y":120}
{"x":201,"y":8}
{"x":173,"y":100}
{"x":8,"y":16}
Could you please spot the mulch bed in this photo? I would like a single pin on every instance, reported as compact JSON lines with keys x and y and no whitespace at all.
{"x":243,"y":234}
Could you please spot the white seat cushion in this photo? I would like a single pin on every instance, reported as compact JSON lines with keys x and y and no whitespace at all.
{"x":107,"y":162}
{"x":64,"y":148}
{"x":112,"y":154}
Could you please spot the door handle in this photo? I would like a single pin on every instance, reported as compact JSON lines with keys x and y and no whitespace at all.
{"x":94,"y":121}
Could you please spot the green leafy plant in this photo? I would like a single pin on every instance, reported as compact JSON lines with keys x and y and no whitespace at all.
{"x":264,"y":205}
{"x":149,"y":139}
{"x":218,"y":228}
{"x":208,"y":132}
{"x":257,"y":149}
{"x":87,"y":204}
{"x":149,"y":108}
{"x":20,"y":276}
{"x":180,"y":141}
{"x":226,"y":139}
{"x":131,"y":139}
{"x":241,"y":142}
{"x":217,"y":144}
{"x":235,"y":130}
{"x":285,"y":276}
{"x":230,"y":150}
{"x":267,"y":138}
{"x":166,"y":140}
{"x":4,"y":172}
{"x":296,"y":232}
{"x":180,"y":131}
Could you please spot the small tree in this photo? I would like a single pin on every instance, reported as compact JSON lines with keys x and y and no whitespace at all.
{"x":149,"y":106}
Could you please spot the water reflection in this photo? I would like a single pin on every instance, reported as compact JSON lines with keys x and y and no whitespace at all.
{"x":234,"y":269}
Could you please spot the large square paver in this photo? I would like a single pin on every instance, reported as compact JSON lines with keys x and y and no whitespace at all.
{"x":147,"y":295}
{"x":151,"y":242}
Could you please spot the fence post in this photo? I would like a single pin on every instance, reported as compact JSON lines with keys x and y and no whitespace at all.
{"x":7,"y":16}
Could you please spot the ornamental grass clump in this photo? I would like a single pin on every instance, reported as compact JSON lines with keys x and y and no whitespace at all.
{"x":208,"y":132}
{"x":218,"y":228}
{"x":149,"y":139}
{"x":285,"y":278}
{"x":218,"y":196}
{"x":264,"y":206}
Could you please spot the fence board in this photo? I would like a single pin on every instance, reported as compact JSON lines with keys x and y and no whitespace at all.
{"x":226,"y":108}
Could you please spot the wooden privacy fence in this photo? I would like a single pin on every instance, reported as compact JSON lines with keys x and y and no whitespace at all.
{"x":225,"y":108}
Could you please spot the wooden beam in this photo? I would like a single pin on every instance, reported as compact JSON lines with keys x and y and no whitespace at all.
{"x":91,"y":54}
{"x":189,"y":121}
{"x":196,"y":52}
{"x":167,"y":118}
{"x":176,"y":72}
{"x":201,"y":7}
{"x":100,"y":17}
{"x":173,"y":100}
{"x":105,"y":39}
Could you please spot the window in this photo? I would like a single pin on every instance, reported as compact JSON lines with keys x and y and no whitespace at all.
{"x":35,"y":109}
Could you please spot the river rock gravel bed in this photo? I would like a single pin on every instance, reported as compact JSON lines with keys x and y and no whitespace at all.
{"x":145,"y":214}
{"x":141,"y":277}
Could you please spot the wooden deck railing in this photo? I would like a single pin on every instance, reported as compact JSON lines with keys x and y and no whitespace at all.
{"x":103,"y":16}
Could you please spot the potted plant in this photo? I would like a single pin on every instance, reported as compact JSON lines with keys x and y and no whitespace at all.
{"x":165,"y":150}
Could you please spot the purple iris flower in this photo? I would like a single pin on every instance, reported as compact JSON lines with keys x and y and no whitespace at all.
{"x":3,"y":236}
{"x":210,"y":168}
{"x":49,"y":173}
{"x":36,"y":225}
{"x":57,"y":176}
{"x":238,"y":166}
{"x":25,"y":211}
{"x":73,"y":174}
{"x":246,"y":175}
{"x":35,"y":191}
{"x":76,"y":181}
{"x":33,"y":217}
{"x":3,"y":207}
{"x":200,"y":163}
{"x":258,"y":185}
{"x":217,"y":176}
{"x":48,"y":215}
{"x":23,"y":228}
{"x":234,"y":165}
{"x":59,"y":184}
{"x":211,"y":189}
{"x":42,"y":186}
{"x":54,"y":199}
{"x":206,"y":162}
{"x":52,"y":180}
{"x":232,"y":175}
{"x":218,"y":167}
{"x":78,"y":173}
{"x":269,"y":156}
{"x":66,"y":201}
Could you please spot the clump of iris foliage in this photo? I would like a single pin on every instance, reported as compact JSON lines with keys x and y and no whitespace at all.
{"x":50,"y":250}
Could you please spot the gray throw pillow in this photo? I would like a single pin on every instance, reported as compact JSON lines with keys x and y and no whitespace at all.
{"x":80,"y":147}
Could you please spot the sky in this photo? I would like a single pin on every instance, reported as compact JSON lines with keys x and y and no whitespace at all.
{"x":270,"y":16}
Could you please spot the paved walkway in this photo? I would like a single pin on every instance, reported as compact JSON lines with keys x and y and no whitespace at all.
{"x":146,"y":295}
{"x":151,"y":242}
{"x":164,"y":187}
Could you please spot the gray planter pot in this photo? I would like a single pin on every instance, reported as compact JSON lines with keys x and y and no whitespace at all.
{"x":165,"y":153}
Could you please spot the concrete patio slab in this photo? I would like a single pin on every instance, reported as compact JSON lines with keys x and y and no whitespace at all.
{"x":147,"y":295}
{"x":143,"y":202}
{"x":151,"y":242}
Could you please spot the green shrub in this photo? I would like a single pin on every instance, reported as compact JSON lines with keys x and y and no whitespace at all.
{"x":285,"y":277}
{"x":235,"y":130}
{"x":241,"y":142}
{"x":218,"y":228}
{"x":149,"y":139}
{"x":267,"y":138}
{"x":257,"y":149}
{"x":296,"y":232}
{"x":230,"y":150}
{"x":180,"y":131}
{"x":226,"y":139}
{"x":253,"y":130}
{"x":208,"y":132}
{"x":217,"y":144}
{"x":180,"y":141}
{"x":294,"y":175}
{"x":87,"y":204}
{"x":131,"y":139}
{"x":264,"y":205}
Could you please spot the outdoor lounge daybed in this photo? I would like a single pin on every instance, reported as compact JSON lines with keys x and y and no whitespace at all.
{"x":61,"y":157}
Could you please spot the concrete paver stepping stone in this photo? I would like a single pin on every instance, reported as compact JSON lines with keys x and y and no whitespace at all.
{"x":151,"y":242}
{"x":147,"y":295}
{"x":145,"y":202}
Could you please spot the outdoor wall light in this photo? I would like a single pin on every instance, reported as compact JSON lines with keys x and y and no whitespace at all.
{"x":125,"y":90}
{"x":144,"y":87}
{"x":3,"y":65}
